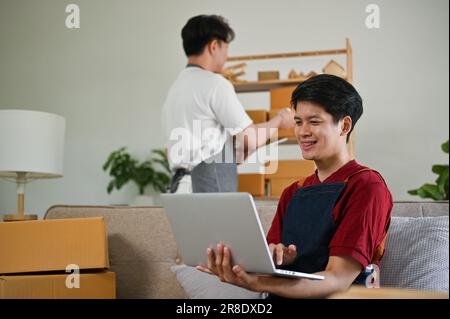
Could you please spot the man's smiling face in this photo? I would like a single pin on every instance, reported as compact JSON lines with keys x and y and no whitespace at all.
{"x":318,"y":135}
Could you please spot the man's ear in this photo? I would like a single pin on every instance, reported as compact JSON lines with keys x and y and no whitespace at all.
{"x":212,"y":46}
{"x":346,"y":125}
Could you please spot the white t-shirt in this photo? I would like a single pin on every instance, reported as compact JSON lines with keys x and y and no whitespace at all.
{"x":201,"y":113}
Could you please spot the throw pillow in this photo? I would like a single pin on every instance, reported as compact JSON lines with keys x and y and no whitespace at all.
{"x":200,"y":285}
{"x":417,"y":254}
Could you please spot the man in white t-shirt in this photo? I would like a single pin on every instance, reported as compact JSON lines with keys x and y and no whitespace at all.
{"x":205,"y":124}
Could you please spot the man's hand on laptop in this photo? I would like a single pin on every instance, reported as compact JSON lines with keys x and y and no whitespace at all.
{"x":220,"y":264}
{"x":283,"y":255}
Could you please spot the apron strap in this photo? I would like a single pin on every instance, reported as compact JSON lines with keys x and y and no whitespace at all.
{"x":360,"y":171}
{"x":302,"y":180}
{"x":364,"y":170}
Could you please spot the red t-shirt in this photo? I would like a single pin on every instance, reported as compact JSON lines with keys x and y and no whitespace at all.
{"x":362,"y":213}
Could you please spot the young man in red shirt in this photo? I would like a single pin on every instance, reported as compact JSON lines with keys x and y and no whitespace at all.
{"x":335,"y":222}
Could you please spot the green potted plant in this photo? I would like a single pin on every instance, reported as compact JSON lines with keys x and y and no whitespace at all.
{"x":439,"y":190}
{"x":153,"y":173}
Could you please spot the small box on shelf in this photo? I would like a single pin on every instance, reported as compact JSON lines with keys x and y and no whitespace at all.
{"x":268,"y":75}
{"x":281,"y":97}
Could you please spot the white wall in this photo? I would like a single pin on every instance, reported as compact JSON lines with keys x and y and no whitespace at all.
{"x":109,"y":78}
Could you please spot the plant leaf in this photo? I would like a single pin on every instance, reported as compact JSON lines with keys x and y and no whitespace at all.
{"x":439,"y":191}
{"x":442,"y":181}
{"x":162,"y":160}
{"x":124,"y":168}
{"x":110,"y":187}
{"x":112,"y":157}
{"x":164,"y":164}
{"x":439,"y":169}
{"x":432,"y":191}
{"x":444,"y":147}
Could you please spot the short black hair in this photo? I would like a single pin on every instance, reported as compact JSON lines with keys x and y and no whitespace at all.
{"x":338,"y":97}
{"x":202,"y":29}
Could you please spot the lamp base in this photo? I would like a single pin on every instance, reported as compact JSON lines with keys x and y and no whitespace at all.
{"x":17,"y":217}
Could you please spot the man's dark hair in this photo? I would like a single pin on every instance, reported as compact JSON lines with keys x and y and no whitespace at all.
{"x":202,"y":29}
{"x":338,"y":97}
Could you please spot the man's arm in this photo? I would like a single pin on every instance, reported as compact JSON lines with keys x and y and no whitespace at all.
{"x":257,"y":135}
{"x":339,"y":274}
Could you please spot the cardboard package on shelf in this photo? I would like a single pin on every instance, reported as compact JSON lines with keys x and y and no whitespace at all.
{"x":281,"y":97}
{"x":268,"y":75}
{"x":287,"y":172}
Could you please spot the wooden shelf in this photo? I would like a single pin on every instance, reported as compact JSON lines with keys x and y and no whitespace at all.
{"x":291,"y":55}
{"x":261,"y":86}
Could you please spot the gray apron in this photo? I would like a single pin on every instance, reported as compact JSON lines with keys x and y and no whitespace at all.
{"x":218,"y":174}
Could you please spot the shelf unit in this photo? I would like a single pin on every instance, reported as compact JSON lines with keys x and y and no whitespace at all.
{"x":255,"y":182}
{"x":261,"y":86}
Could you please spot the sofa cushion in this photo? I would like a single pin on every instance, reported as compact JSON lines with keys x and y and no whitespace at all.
{"x":200,"y":285}
{"x":417,"y":253}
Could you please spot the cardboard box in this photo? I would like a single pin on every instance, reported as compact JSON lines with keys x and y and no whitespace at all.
{"x":281,"y":97}
{"x":252,"y":183}
{"x":292,"y":169}
{"x":258,"y":116}
{"x":268,"y":75}
{"x":281,"y":133}
{"x":100,"y":285}
{"x":288,"y":172}
{"x":277,"y":185}
{"x":52,"y":245}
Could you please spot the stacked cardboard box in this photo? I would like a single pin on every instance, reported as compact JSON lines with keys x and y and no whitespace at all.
{"x":61,"y":258}
{"x":252,"y":181}
{"x":288,"y":172}
{"x":279,"y":99}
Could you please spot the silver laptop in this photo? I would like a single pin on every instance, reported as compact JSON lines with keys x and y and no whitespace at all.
{"x":202,"y":220}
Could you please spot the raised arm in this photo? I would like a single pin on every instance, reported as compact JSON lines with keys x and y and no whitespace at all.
{"x":257,"y":135}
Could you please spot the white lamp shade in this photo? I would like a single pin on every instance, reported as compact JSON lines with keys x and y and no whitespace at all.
{"x":31,"y":142}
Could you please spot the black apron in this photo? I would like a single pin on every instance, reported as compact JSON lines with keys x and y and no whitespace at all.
{"x":309,"y":225}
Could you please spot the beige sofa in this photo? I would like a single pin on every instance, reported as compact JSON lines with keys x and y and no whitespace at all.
{"x":142,"y":248}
